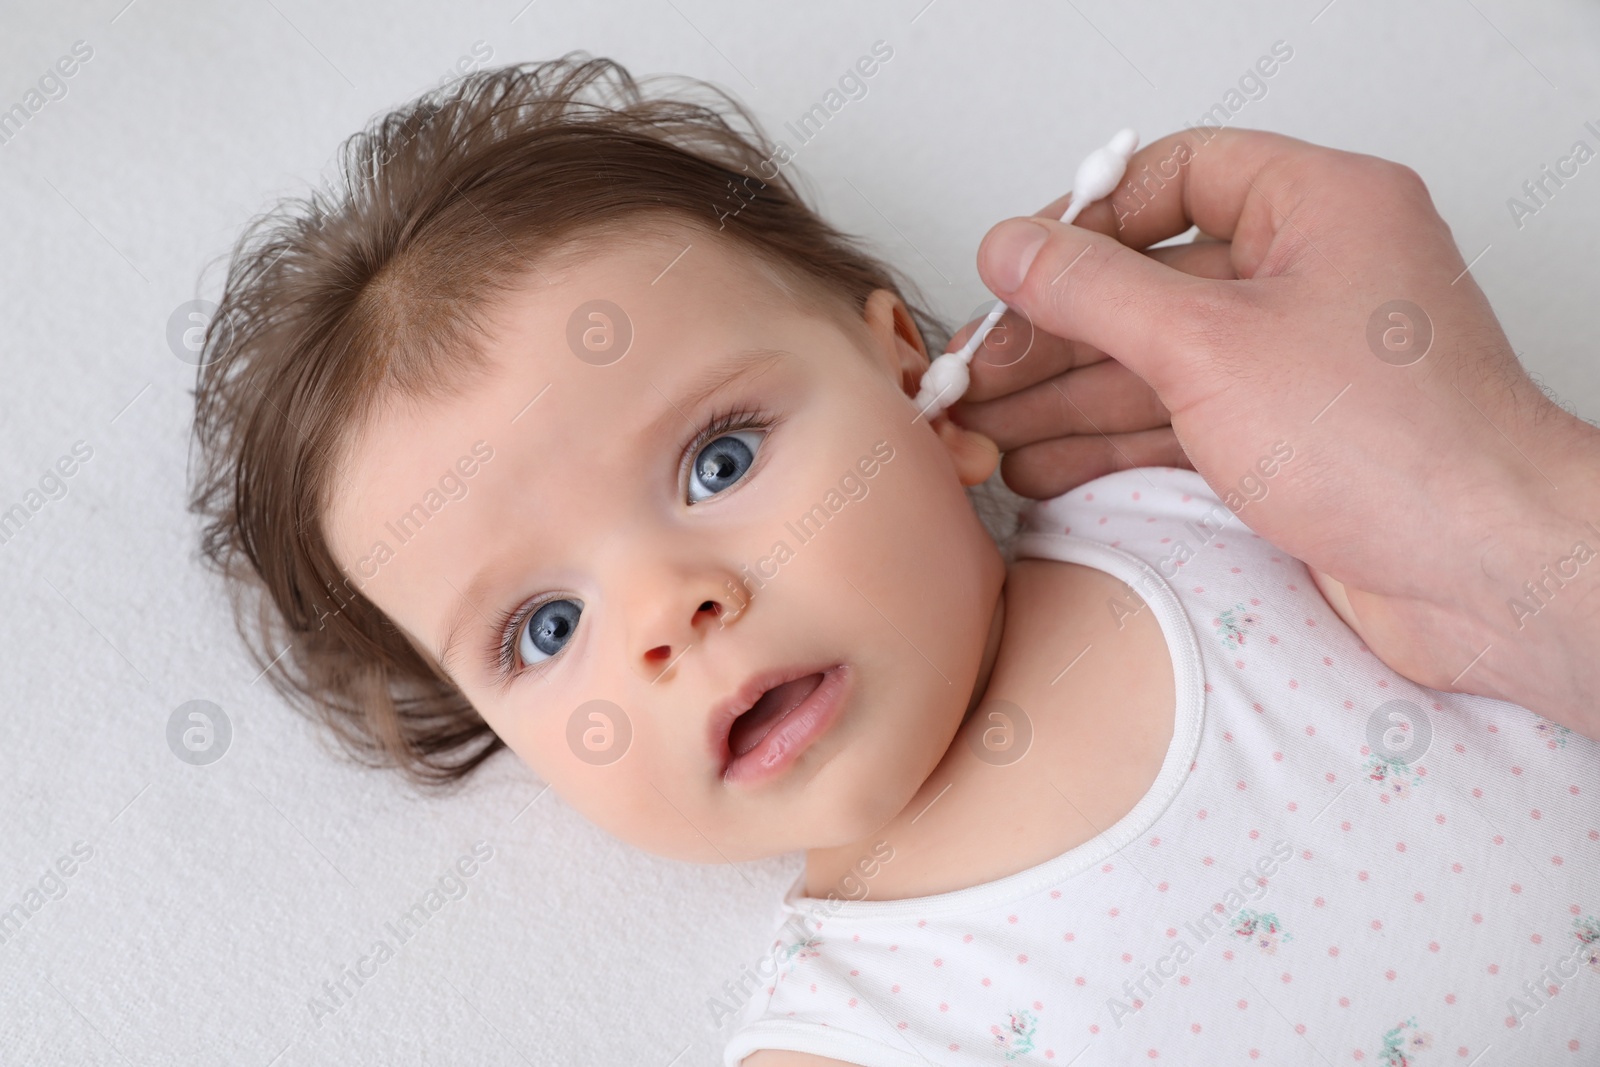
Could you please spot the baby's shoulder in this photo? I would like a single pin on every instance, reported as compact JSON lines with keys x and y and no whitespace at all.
{"x":1166,"y":518}
{"x":1162,"y":511}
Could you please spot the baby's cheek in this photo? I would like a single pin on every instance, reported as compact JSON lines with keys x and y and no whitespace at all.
{"x":594,"y":755}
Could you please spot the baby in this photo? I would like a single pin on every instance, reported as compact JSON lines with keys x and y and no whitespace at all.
{"x":567,"y":427}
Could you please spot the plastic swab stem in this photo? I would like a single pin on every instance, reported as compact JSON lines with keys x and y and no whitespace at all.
{"x":947,"y":377}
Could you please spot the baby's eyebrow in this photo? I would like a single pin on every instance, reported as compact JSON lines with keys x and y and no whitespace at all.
{"x":453,"y":632}
{"x":714,"y":380}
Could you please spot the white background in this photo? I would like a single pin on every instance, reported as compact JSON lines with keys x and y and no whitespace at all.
{"x":219,"y":899}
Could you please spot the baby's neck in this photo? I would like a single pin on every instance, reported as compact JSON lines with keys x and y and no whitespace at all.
{"x":1097,"y":728}
{"x":827,"y":868}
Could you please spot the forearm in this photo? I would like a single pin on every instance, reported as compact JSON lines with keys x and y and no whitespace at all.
{"x":1535,"y":596}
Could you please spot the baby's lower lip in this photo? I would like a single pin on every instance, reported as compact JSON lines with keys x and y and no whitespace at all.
{"x":794,"y":733}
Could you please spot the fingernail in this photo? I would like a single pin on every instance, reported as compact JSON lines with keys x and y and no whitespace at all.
{"x":1008,"y":252}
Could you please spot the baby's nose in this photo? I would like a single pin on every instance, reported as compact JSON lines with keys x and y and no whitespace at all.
{"x":708,"y":616}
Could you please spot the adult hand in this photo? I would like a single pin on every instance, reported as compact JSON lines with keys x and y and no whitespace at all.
{"x":1430,"y":477}
{"x":1067,"y":412}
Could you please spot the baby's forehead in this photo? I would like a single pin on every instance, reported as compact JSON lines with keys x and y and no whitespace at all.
{"x":716,"y":271}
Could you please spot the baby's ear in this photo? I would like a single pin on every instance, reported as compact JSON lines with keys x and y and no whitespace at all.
{"x":898,"y":343}
{"x":974,"y":455}
{"x":896,"y":340}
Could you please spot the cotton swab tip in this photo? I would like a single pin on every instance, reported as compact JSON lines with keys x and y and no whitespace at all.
{"x":943,"y":383}
{"x":1099,"y":174}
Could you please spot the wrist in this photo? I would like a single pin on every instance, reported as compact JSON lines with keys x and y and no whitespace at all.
{"x":1533,"y":599}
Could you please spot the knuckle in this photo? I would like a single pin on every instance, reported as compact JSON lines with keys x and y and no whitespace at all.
{"x":1386,"y":176}
{"x":1406,"y":178}
{"x":1409,"y":188}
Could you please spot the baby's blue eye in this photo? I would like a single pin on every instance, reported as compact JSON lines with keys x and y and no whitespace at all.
{"x":548,"y":630}
{"x":721,"y":463}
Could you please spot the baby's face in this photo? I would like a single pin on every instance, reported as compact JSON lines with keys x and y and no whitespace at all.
{"x":653,"y":563}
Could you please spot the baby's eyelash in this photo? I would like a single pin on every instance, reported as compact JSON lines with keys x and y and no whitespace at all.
{"x":509,"y":624}
{"x":729,"y":420}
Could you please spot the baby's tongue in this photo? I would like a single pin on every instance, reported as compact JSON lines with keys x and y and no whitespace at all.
{"x":755,"y":724}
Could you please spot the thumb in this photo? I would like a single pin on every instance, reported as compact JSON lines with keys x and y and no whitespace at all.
{"x":1085,"y":286}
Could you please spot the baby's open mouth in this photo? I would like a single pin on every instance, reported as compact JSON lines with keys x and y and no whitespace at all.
{"x":757,"y":734}
{"x":749,"y":729}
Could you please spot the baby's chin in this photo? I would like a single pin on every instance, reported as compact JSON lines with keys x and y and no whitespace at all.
{"x":831,"y":823}
{"x":873,"y":783}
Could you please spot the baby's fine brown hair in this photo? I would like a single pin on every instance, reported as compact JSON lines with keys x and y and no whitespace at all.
{"x":346,"y":298}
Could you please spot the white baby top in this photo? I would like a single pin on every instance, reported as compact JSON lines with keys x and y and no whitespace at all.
{"x":1333,"y":866}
